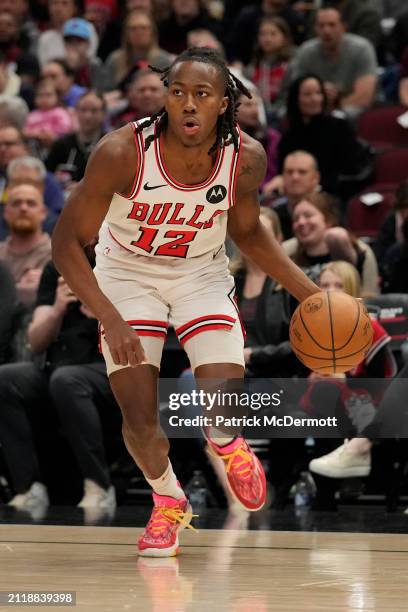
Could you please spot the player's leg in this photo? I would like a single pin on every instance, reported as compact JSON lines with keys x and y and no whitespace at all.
{"x":244,"y":472}
{"x":135,"y":390}
{"x":206,"y":319}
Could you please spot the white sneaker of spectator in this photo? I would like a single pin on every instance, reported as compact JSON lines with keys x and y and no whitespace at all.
{"x":97,"y":497}
{"x":35,"y":496}
{"x":343,"y":462}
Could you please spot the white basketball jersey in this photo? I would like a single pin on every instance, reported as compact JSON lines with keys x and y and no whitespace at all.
{"x":164,"y":218}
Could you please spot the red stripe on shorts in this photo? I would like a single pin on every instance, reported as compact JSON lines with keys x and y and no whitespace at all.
{"x":203,"y":328}
{"x":182,"y":328}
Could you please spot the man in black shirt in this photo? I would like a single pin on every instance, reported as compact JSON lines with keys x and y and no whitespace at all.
{"x":73,"y":375}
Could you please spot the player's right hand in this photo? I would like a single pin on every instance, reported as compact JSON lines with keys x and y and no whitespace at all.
{"x":124,"y":343}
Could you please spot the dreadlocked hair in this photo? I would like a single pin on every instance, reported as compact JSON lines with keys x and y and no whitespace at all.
{"x":234,"y":88}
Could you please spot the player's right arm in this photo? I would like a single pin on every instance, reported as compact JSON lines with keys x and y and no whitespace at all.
{"x":111,"y":169}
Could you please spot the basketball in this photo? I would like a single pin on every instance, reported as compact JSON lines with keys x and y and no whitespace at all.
{"x":331,"y":332}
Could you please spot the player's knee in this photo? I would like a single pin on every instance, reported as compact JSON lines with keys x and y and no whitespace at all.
{"x":140,"y":433}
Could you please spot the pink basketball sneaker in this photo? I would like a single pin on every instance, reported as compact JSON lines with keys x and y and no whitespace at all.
{"x":245,"y":474}
{"x":169,"y":515}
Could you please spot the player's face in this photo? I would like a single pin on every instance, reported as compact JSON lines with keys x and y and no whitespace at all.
{"x":194,"y":101}
{"x":309,"y":224}
{"x":329,"y":281}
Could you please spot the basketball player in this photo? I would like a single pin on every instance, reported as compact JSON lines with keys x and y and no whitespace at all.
{"x":161,"y":193}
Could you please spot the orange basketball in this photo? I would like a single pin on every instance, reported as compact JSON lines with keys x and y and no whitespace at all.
{"x":331,"y":332}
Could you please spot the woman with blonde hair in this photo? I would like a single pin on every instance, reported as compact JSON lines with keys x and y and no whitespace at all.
{"x":139,"y":49}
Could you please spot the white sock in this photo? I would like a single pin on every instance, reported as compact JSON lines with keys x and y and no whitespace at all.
{"x":218,"y":437}
{"x":167,"y":484}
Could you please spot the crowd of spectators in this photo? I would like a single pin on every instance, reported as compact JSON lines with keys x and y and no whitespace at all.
{"x":71,"y":71}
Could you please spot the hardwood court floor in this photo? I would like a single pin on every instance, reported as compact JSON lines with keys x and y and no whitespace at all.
{"x":218,"y":570}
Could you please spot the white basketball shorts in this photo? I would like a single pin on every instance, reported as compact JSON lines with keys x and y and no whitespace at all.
{"x":195,"y":296}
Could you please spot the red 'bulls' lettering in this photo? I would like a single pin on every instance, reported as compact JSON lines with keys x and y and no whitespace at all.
{"x":159,"y":214}
{"x":139,"y":211}
{"x":173,"y":219}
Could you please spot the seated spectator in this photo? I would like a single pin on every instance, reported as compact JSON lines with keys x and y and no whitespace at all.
{"x":249,"y":121}
{"x":49,"y":119}
{"x":245,"y":26}
{"x":270,"y":60}
{"x":13,"y":112}
{"x":10,"y":82}
{"x":345,"y":63}
{"x":186,"y":15}
{"x":400,"y":35}
{"x":8,"y":302}
{"x":89,"y":70}
{"x":74,"y":378}
{"x":361,"y":17}
{"x":319,"y":239}
{"x":145,"y":96}
{"x":28,"y":33}
{"x":300,"y":176}
{"x":103,"y":16}
{"x":390,"y":232}
{"x":395,"y":278}
{"x":352,"y":459}
{"x":62,"y":76}
{"x":265,"y":311}
{"x":204,"y":38}
{"x":9,"y":38}
{"x":69,"y":154}
{"x":312,"y":128}
{"x":12,"y":148}
{"x":31,"y":171}
{"x":403,"y":83}
{"x":139,"y":49}
{"x":27,"y":248}
{"x":51,"y":42}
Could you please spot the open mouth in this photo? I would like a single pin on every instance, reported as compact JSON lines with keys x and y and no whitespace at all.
{"x":191,"y":126}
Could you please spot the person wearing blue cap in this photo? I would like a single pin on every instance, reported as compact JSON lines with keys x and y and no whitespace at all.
{"x":89,"y":71}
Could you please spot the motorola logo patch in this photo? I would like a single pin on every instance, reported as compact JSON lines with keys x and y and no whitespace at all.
{"x":216,"y":194}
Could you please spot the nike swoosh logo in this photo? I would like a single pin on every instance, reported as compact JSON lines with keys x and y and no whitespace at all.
{"x":148,"y":187}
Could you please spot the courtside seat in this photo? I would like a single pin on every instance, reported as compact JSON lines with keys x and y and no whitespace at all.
{"x":380,"y":128}
{"x":365,"y":220}
{"x":391,"y":166}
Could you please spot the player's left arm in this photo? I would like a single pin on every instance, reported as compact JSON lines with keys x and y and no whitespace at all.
{"x":249,"y":234}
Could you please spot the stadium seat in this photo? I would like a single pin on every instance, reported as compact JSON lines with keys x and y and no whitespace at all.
{"x":379,"y":127}
{"x":391,"y":166}
{"x":365,"y":220}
